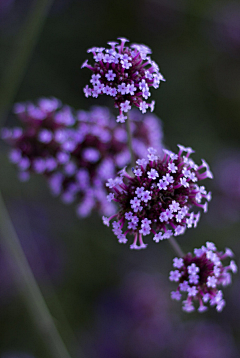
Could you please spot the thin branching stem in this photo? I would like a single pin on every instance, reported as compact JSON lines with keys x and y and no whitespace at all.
{"x":176,"y":247}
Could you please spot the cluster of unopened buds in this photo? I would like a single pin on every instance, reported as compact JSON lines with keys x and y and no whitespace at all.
{"x":82,"y":155}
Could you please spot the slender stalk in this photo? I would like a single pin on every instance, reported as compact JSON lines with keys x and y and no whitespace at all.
{"x":128,"y":127}
{"x":21,"y":54}
{"x":48,"y":288}
{"x":176,"y":246}
{"x":29,"y":287}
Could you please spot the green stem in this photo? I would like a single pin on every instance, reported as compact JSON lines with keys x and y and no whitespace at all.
{"x":29,"y":287}
{"x":22,"y":50}
{"x":130,"y":141}
{"x":176,"y":246}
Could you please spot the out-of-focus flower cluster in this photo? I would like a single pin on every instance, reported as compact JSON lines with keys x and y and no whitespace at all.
{"x":124,"y":73}
{"x":201,"y":275}
{"x":77,"y":151}
{"x":159,"y":197}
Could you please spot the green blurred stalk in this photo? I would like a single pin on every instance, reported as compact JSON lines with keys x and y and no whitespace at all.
{"x":12,"y":77}
{"x":26,"y":41}
{"x":29,"y":287}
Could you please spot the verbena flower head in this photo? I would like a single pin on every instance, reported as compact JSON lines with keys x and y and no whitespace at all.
{"x":124,"y":73}
{"x":159,"y":197}
{"x":100,"y":150}
{"x":200,"y":276}
{"x":35,"y":147}
{"x":77,"y":151}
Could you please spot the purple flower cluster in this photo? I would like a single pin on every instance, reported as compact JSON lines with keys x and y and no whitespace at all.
{"x":159,"y":197}
{"x":124,"y":73}
{"x":77,"y":150}
{"x":80,"y":152}
{"x":39,"y":146}
{"x":201,"y":275}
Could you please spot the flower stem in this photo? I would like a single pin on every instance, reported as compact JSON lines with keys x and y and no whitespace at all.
{"x":29,"y":287}
{"x":21,"y":54}
{"x":130,"y":141}
{"x":176,"y":247}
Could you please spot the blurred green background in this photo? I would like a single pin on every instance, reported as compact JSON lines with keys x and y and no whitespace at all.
{"x":83,"y":272}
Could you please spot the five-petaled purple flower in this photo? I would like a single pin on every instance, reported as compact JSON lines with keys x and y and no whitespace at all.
{"x":124,"y":73}
{"x":200,"y":276}
{"x":159,"y":197}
